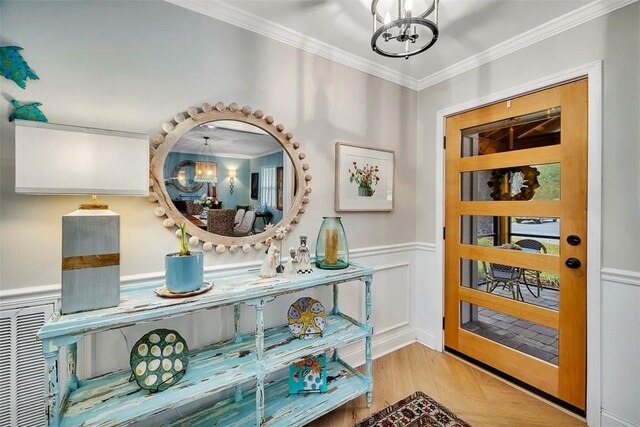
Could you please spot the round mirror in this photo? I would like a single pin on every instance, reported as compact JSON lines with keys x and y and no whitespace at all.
{"x":229,"y":176}
{"x":182,"y":177}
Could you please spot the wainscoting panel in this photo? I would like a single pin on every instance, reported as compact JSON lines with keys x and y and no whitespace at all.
{"x":620,"y":348}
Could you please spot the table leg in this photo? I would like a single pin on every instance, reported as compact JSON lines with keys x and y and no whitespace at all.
{"x":72,"y":366}
{"x":260,"y":363}
{"x":368,"y":355}
{"x":51,"y":386}
{"x":238,"y":338}
{"x":335,"y":310}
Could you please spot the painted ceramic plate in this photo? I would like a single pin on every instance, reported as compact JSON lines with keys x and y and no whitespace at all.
{"x":166,"y":293}
{"x":159,"y":359}
{"x":307,"y":318}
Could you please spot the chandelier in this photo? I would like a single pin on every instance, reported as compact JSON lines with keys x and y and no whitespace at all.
{"x":206,"y":171}
{"x":406,"y":35}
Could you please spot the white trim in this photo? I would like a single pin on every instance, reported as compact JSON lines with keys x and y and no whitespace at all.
{"x":425,"y":338}
{"x":593,"y":71}
{"x":623,"y":277}
{"x":562,"y":23}
{"x":383,"y":344}
{"x":616,"y":420}
{"x":257,"y":24}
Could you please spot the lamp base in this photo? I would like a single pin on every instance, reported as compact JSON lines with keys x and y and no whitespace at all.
{"x":90,"y":260}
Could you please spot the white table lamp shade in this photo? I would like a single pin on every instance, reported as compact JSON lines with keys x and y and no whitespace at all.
{"x":60,"y":159}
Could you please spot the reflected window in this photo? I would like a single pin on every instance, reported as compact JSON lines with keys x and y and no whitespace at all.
{"x":268,"y":186}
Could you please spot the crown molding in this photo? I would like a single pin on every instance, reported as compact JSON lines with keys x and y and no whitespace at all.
{"x":562,"y":23}
{"x":257,"y":24}
{"x":243,"y":19}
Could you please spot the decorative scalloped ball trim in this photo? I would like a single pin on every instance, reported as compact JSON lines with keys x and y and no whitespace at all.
{"x":233,"y":107}
{"x":233,"y":249}
{"x":167,"y":127}
{"x":305,"y":167}
{"x":152,"y":197}
{"x":152,"y":152}
{"x":288,"y":136}
{"x":168,"y":223}
{"x":308,"y":190}
{"x":289,"y":228}
{"x":159,"y":211}
{"x":258,"y":246}
{"x":220,"y":249}
{"x":279,"y":127}
{"x":296,"y":219}
{"x":219,"y":106}
{"x":258,"y":114}
{"x":302,"y":210}
{"x":246,"y":248}
{"x":207,"y":246}
{"x":206,"y":107}
{"x":305,"y":200}
{"x":178,"y":233}
{"x":296,"y":145}
{"x":192,"y":112}
{"x":194,"y":241}
{"x":179,"y":118}
{"x":307,"y":177}
{"x":246,"y":110}
{"x":269,"y":120}
{"x":301,"y":156}
{"x":157,"y":139}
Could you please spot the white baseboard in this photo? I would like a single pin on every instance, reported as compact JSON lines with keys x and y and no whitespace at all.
{"x":612,"y":420}
{"x":426,"y":338}
{"x":383,"y":344}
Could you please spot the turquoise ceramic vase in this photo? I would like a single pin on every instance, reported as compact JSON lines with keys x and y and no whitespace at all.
{"x":184,"y":273}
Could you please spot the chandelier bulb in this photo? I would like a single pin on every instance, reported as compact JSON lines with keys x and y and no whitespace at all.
{"x":408,"y":5}
{"x":387,"y":19}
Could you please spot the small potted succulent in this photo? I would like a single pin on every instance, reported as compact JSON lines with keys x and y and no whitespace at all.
{"x":184,"y":269}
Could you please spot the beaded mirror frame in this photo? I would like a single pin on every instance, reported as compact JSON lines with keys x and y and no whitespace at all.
{"x":162,"y":143}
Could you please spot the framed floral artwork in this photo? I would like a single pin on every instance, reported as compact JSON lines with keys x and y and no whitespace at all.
{"x":364,"y":178}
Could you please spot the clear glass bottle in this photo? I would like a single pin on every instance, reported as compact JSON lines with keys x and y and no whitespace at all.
{"x":332,"y":251}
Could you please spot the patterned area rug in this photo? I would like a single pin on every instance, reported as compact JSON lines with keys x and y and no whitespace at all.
{"x":417,"y":410}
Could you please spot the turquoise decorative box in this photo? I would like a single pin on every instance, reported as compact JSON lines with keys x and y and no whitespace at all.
{"x":308,"y":375}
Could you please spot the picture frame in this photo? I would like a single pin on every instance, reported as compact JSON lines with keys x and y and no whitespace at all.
{"x":364,"y":178}
{"x":255,"y":183}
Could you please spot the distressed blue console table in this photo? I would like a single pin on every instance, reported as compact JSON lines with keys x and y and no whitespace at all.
{"x":112,"y":400}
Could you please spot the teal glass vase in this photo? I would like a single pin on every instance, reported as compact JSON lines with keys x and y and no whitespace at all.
{"x":332,"y":251}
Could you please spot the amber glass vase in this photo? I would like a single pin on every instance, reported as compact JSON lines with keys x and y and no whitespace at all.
{"x":332,"y":251}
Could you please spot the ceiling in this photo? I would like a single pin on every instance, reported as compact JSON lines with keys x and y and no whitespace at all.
{"x":472,"y":32}
{"x":228,"y":139}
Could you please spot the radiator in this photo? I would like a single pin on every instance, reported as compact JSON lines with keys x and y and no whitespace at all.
{"x":22,"y":366}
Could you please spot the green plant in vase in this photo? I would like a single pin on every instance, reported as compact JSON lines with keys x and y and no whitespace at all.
{"x":366,"y":177}
{"x":184,"y":269}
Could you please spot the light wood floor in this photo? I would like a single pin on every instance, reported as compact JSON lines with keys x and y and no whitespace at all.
{"x":474,"y":396}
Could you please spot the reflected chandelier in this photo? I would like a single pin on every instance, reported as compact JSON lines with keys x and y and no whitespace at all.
{"x":206,"y":171}
{"x":406,"y":35}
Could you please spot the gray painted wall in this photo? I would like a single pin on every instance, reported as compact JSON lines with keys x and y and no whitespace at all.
{"x":133,"y":65}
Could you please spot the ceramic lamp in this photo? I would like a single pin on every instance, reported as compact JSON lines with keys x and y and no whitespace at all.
{"x":60,"y":159}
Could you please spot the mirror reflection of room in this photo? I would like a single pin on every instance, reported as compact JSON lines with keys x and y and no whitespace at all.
{"x":230,"y":178}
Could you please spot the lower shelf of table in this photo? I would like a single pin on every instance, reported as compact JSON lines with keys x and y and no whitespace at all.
{"x":282,"y":409}
{"x":112,"y":400}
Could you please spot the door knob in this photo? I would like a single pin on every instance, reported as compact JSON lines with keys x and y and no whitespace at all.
{"x":573,"y":240}
{"x":573,"y":263}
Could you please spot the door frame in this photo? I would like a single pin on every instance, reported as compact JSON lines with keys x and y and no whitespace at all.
{"x":593,"y":72}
